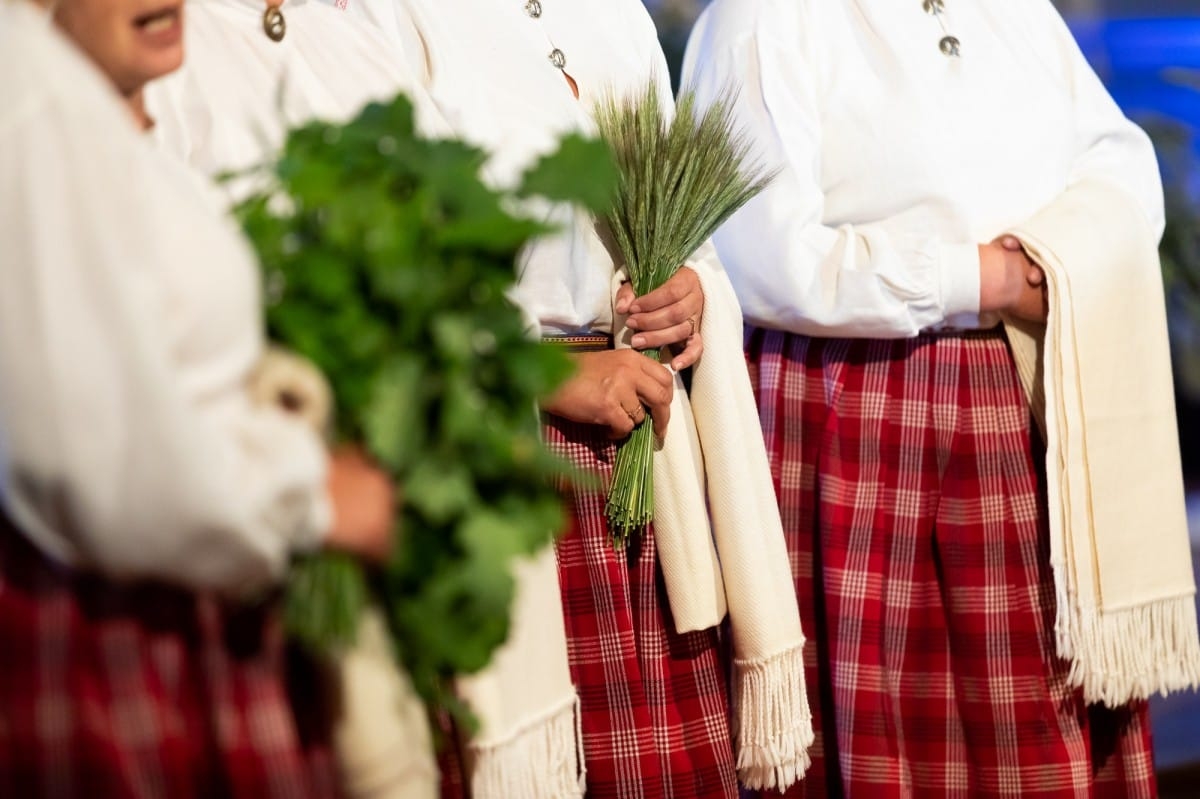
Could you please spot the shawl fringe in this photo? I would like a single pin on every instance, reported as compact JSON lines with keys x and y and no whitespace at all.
{"x":1119,"y":655}
{"x":541,"y":760}
{"x":772,"y":721}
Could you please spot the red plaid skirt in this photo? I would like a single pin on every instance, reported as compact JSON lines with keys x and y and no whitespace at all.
{"x":655,"y":707}
{"x":916,"y":525}
{"x":143,"y":692}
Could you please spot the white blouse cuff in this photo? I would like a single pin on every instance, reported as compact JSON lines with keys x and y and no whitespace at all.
{"x":959,"y":264}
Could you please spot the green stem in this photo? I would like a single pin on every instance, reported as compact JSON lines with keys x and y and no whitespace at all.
{"x":326,"y":593}
{"x":630,"y":505}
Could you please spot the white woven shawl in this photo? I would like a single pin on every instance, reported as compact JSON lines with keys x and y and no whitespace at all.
{"x":1099,"y":376}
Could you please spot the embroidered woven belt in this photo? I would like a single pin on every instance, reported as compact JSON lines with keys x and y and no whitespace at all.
{"x":948,"y":331}
{"x":587,"y":343}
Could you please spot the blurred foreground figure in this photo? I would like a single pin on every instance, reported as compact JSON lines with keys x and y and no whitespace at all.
{"x":228,"y":109}
{"x":148,"y":506}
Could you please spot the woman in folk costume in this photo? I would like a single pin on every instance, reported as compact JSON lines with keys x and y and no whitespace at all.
{"x":942,"y":167}
{"x":148,"y":505}
{"x":254,"y":70}
{"x":645,"y":652}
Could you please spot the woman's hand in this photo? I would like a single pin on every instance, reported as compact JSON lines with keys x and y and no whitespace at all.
{"x":364,"y":505}
{"x":1011,"y":283}
{"x":613,"y":389}
{"x":668,"y":315}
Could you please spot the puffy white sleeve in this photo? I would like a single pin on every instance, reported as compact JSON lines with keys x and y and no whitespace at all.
{"x":790,"y":270}
{"x":1109,"y":147}
{"x":128,"y":444}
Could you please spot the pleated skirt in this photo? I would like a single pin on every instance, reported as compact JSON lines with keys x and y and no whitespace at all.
{"x":147,"y":692}
{"x":655,"y":703}
{"x":916,"y":522}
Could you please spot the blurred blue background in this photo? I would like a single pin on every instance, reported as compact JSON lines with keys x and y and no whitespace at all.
{"x":1148,"y":54}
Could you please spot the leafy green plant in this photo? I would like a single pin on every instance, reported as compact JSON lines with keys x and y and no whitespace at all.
{"x":679,"y":179}
{"x":388,"y":260}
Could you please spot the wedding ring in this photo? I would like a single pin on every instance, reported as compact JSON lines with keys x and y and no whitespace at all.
{"x":691,"y":320}
{"x":633,"y":415}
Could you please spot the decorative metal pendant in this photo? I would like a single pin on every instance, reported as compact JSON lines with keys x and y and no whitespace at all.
{"x":558,"y":58}
{"x":533,"y":8}
{"x":274,"y":25}
{"x":934,"y":7}
{"x":950,"y":46}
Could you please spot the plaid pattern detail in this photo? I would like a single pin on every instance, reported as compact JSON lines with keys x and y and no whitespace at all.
{"x":917,"y":531}
{"x":141,"y":692}
{"x":655,"y":707}
{"x":449,"y":740}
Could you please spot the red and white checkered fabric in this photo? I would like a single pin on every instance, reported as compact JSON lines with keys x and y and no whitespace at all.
{"x":451,"y":763}
{"x":142,"y":693}
{"x":918,"y":540}
{"x":655,"y":705}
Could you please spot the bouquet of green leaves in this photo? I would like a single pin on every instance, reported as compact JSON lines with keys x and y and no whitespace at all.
{"x":678,"y":180}
{"x":387,"y":261}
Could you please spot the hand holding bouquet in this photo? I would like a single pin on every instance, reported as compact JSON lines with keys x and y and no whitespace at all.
{"x":679,"y":179}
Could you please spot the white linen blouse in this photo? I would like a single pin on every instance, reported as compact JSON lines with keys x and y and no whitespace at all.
{"x":898,"y":160}
{"x":239,"y":92}
{"x":493,"y":77}
{"x":129,"y":323}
